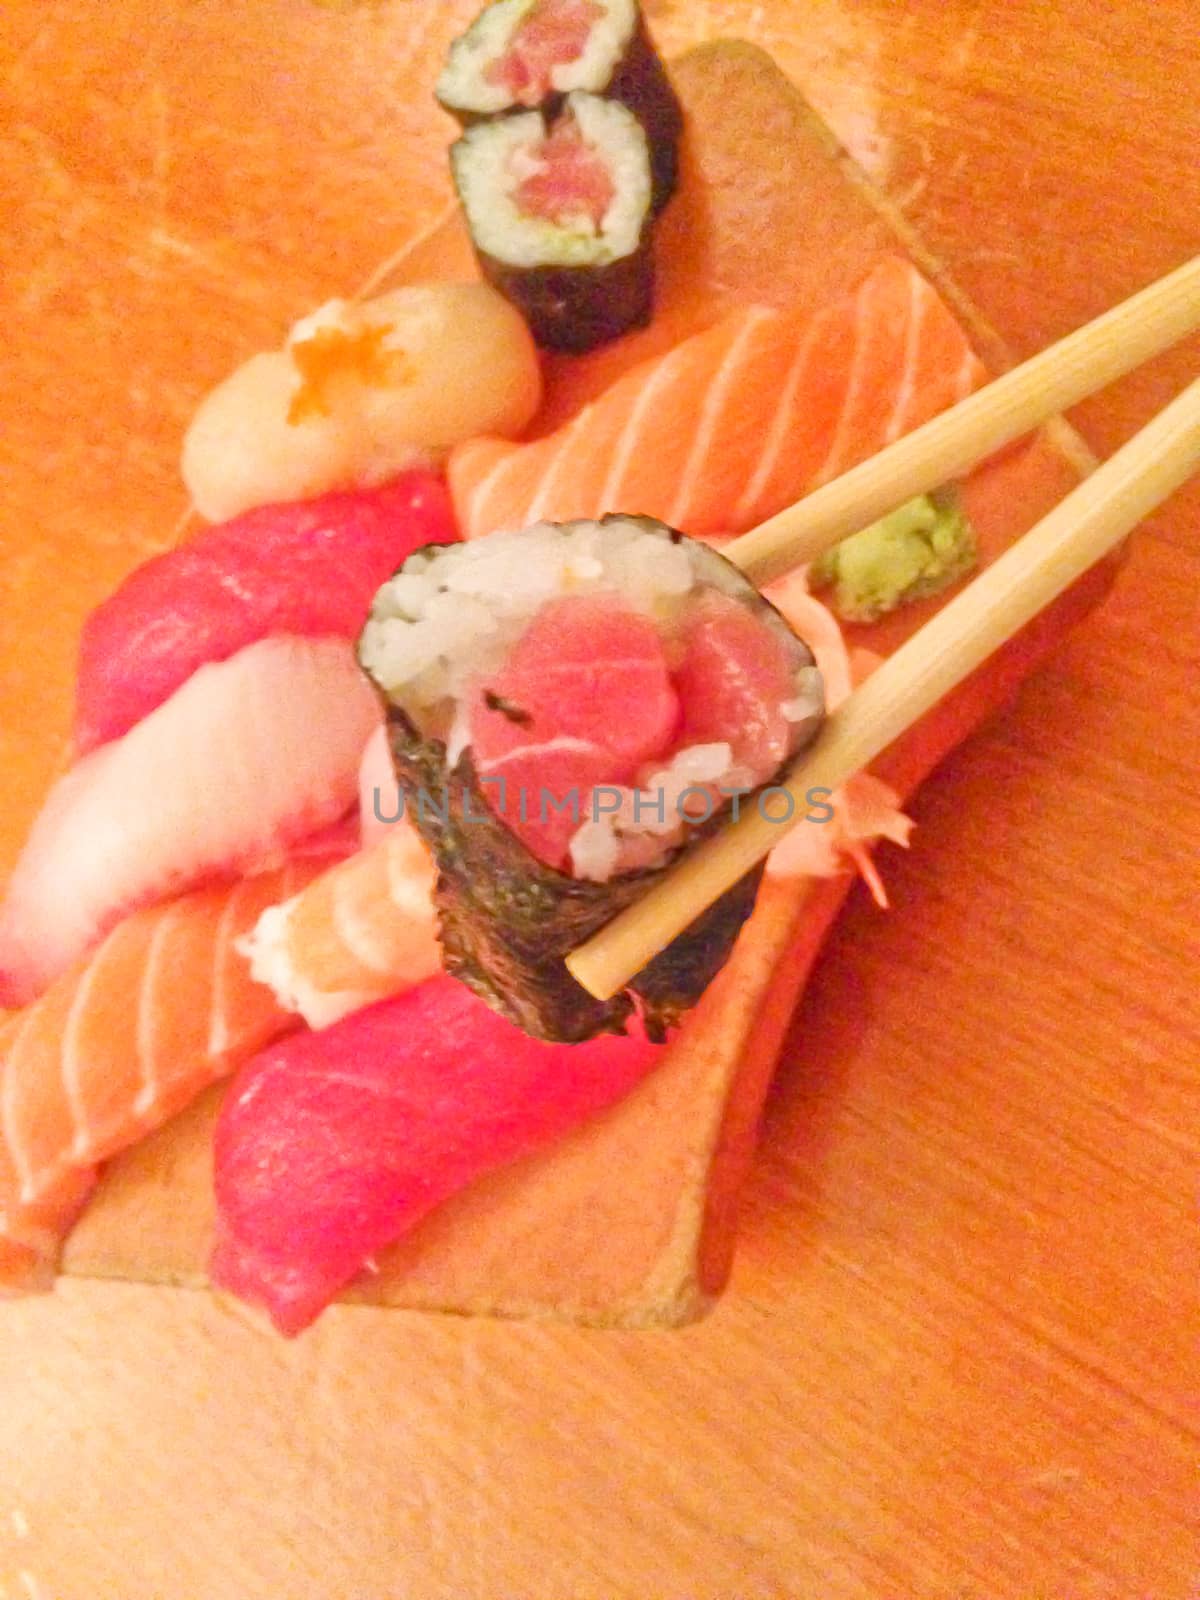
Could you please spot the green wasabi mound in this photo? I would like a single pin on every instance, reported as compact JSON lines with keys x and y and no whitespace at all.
{"x":915,"y":551}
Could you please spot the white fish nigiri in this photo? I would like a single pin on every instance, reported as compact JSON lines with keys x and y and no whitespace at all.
{"x":379,"y":799}
{"x":250,"y":756}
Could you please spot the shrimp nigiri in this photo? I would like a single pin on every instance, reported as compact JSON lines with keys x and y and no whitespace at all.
{"x":365,"y":930}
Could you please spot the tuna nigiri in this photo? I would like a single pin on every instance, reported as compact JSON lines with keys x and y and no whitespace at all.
{"x":736,"y":422}
{"x":331,"y":1145}
{"x":365,"y":930}
{"x":248,"y":757}
{"x":307,"y":568}
{"x":30,"y":1234}
{"x":124,"y":1041}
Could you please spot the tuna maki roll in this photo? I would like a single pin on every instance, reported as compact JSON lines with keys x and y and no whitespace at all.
{"x":570,"y":708}
{"x":530,"y":54}
{"x":559,"y":215}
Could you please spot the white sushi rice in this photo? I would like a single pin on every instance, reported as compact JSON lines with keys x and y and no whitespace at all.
{"x":463,"y":83}
{"x":453,"y":614}
{"x":649,"y":821}
{"x":492,"y":160}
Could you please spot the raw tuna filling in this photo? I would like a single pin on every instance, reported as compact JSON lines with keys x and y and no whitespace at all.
{"x":612,"y":682}
{"x":563,"y":178}
{"x":551,"y":34}
{"x":611,"y":733}
{"x":573,"y":193}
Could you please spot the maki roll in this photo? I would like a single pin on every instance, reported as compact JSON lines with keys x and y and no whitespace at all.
{"x":529,"y":54}
{"x":570,"y":708}
{"x":559,"y":215}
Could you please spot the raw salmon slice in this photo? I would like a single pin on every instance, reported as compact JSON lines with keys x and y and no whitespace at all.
{"x":249,"y":757}
{"x":332,"y":1144}
{"x":308,"y":568}
{"x":165,"y":1006}
{"x":737,"y":422}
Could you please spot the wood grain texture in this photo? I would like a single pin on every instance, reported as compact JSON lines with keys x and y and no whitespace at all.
{"x":958,"y":1357}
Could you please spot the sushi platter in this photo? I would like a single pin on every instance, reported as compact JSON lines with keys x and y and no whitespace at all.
{"x":445,"y":548}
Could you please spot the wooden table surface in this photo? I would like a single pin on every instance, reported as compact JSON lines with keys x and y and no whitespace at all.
{"x":958,"y":1357}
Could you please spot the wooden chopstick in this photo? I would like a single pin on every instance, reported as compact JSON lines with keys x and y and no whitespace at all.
{"x":1077,"y":533}
{"x":1086,"y":360}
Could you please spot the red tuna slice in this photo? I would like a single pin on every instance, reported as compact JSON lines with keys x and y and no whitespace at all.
{"x":737,"y":674}
{"x":331,"y":1145}
{"x":551,"y":33}
{"x":584,"y":698}
{"x":572,"y":181}
{"x":546,"y":792}
{"x":308,"y":568}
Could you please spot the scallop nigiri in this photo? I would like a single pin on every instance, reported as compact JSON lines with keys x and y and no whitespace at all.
{"x":362,"y":390}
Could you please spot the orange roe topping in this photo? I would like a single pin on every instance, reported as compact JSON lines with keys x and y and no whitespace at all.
{"x":331,"y":354}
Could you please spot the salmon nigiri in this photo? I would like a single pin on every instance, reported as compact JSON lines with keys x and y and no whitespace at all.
{"x":164,"y":1007}
{"x":246,"y":759}
{"x":737,"y":422}
{"x":31,"y":1233}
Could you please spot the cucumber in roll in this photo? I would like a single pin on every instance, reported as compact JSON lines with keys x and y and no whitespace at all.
{"x":570,"y":709}
{"x":560,"y":218}
{"x":530,"y":54}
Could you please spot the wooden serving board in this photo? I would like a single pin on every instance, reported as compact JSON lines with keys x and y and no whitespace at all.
{"x":632,"y":1220}
{"x":957,"y":1358}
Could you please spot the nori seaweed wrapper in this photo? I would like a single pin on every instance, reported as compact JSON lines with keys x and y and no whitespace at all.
{"x":508,"y":921}
{"x":571,"y":301}
{"x":574,"y":309}
{"x":641,"y":83}
{"x":639,"y":80}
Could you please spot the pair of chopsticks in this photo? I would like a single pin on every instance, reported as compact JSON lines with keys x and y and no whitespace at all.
{"x":1083,"y":528}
